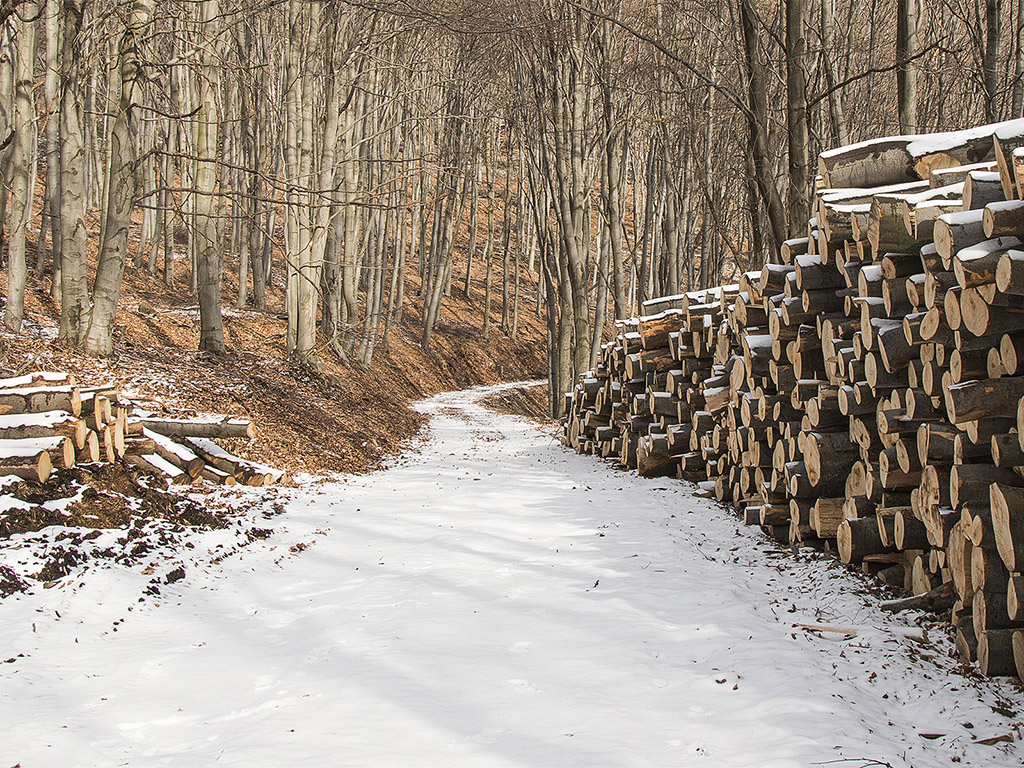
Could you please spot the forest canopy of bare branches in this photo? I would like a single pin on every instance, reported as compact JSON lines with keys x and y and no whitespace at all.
{"x":588,"y":154}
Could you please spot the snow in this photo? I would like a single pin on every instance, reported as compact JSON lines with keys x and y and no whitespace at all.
{"x":32,"y":390}
{"x":163,"y":465}
{"x":961,"y":218}
{"x":41,"y":419}
{"x":880,"y":144}
{"x":837,"y":194}
{"x":987,"y":247}
{"x":28,"y":446}
{"x":39,"y":379}
{"x":1010,"y":130}
{"x":930,"y":143}
{"x":660,"y":315}
{"x":943,"y":142}
{"x":489,"y":600}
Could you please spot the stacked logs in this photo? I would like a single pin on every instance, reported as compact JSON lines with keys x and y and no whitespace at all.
{"x":48,"y":421}
{"x":863,"y":392}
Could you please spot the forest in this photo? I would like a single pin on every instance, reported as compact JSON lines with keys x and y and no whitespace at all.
{"x":282,"y":283}
{"x":593,"y":154}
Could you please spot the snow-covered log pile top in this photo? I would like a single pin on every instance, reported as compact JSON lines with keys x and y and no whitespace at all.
{"x":862,"y":392}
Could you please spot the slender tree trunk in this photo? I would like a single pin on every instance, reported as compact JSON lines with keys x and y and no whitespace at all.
{"x":796,"y":115}
{"x":22,"y":152}
{"x":600,"y":310}
{"x":120,"y":186}
{"x":73,"y":174}
{"x":990,"y":62}
{"x":757,"y":117}
{"x":168,"y":206}
{"x":6,"y":127}
{"x":474,"y":208}
{"x":614,"y":162}
{"x":315,"y":220}
{"x":209,"y":244}
{"x":906,"y":73}
{"x":837,"y":112}
{"x":51,"y":200}
{"x":488,"y":250}
{"x":1017,"y":90}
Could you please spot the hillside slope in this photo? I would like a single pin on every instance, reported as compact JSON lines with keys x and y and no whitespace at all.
{"x":344,"y":418}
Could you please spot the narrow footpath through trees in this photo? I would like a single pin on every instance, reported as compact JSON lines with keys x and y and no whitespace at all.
{"x":489,"y":600}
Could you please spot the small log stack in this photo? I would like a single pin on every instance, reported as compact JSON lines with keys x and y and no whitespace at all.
{"x":862,"y":392}
{"x":48,"y":421}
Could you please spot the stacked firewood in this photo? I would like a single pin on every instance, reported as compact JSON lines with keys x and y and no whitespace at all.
{"x":863,"y":392}
{"x":48,"y":421}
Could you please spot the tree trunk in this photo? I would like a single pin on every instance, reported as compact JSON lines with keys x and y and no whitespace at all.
{"x":757,"y":119}
{"x":796,"y":115}
{"x":990,"y":59}
{"x":22,"y":152}
{"x":73,"y":175}
{"x":120,"y":185}
{"x":907,"y":12}
{"x":209,"y":245}
{"x":51,"y":200}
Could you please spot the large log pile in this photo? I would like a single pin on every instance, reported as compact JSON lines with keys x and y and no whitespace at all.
{"x":48,"y":421}
{"x":863,"y":392}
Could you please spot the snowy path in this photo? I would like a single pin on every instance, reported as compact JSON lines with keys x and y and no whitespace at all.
{"x":490,"y":601}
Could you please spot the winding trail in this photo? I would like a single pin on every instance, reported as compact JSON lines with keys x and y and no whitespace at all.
{"x":490,"y":600}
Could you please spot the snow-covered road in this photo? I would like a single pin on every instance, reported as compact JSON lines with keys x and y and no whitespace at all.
{"x":490,"y":600}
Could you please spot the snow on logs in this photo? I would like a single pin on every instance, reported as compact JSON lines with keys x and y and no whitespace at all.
{"x":862,"y":392}
{"x":48,"y":422}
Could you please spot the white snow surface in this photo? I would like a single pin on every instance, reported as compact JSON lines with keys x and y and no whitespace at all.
{"x":489,"y":600}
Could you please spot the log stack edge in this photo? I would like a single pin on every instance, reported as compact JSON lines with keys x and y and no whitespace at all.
{"x":863,"y":391}
{"x":48,"y":422}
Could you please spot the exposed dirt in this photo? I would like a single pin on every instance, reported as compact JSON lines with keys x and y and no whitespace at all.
{"x":109,"y":496}
{"x":531,"y":402}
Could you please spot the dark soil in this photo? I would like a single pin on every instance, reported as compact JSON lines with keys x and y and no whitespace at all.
{"x":109,"y":497}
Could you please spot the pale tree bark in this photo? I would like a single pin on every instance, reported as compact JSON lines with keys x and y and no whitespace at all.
{"x":796,"y":114}
{"x":301,"y":290}
{"x":292,"y":201}
{"x":990,"y":60}
{"x":1017,"y":90}
{"x":600,"y":308}
{"x":350,"y":176}
{"x":570,"y":107}
{"x":506,"y":235}
{"x":74,"y":312}
{"x":473,"y":173}
{"x":488,"y":234}
{"x":446,"y":203}
{"x":907,"y":17}
{"x":615,"y":127}
{"x":51,"y":199}
{"x":120,"y":185}
{"x":23,"y":150}
{"x":6,"y":125}
{"x":615,"y":148}
{"x":322,"y":196}
{"x":757,"y":119}
{"x":167,"y":197}
{"x":209,"y":245}
{"x":837,"y":111}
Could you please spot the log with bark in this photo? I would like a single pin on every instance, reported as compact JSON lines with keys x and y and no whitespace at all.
{"x":212,"y":427}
